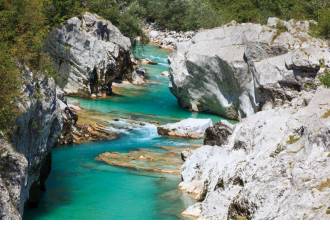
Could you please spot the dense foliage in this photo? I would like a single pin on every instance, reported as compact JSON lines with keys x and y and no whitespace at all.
{"x":194,"y":14}
{"x":22,"y":32}
{"x":25,"y":23}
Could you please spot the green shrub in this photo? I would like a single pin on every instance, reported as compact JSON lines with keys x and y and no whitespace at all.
{"x":325,"y":79}
{"x":324,"y":23}
{"x":9,"y":89}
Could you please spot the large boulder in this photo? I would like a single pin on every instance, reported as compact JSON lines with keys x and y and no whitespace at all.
{"x":275,"y":165}
{"x":188,"y":128}
{"x":25,"y":160}
{"x":89,"y":53}
{"x":236,"y":70}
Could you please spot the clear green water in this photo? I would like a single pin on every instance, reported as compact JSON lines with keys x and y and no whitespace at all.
{"x":81,"y":187}
{"x":154,"y":100}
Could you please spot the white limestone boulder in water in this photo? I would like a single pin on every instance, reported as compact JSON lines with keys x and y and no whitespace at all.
{"x":275,"y":165}
{"x":89,"y":53}
{"x":188,"y":128}
{"x":235,"y":70}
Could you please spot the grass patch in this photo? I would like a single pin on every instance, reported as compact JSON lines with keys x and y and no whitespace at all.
{"x":324,"y":185}
{"x":280,"y":28}
{"x":240,"y":217}
{"x":326,"y":114}
{"x":293,"y":139}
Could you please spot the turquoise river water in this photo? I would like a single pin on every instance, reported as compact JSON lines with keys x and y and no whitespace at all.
{"x":82,"y":188}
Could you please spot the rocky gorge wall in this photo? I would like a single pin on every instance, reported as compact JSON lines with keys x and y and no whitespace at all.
{"x":239,"y":69}
{"x":275,"y":165}
{"x":25,"y":160}
{"x":89,"y":54}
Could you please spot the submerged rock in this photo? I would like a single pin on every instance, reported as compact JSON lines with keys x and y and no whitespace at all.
{"x":167,"y":161}
{"x":235,"y":70}
{"x":165,"y":74}
{"x":147,"y":62}
{"x":89,"y":53}
{"x":275,"y":165}
{"x":188,"y":128}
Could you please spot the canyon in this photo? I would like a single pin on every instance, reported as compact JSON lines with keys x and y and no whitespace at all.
{"x":111,"y":138}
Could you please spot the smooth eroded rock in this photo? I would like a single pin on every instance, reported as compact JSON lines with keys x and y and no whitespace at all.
{"x":89,"y":53}
{"x":275,"y":165}
{"x":188,"y":128}
{"x":235,"y":70}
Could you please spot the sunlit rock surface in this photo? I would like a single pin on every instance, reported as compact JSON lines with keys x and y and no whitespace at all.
{"x":239,"y":69}
{"x":276,"y":165}
{"x":188,"y":128}
{"x":89,"y":53}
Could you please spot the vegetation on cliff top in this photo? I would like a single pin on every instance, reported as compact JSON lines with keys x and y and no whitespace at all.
{"x":22,"y":32}
{"x":24,"y":25}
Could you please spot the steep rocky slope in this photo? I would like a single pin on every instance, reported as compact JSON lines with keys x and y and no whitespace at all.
{"x":239,"y":69}
{"x":25,"y":161}
{"x":275,"y":165}
{"x":89,"y":54}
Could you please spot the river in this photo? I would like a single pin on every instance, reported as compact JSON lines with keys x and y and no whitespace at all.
{"x":83,"y":188}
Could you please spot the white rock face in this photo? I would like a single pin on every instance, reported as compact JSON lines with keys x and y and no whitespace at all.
{"x":188,"y":128}
{"x":25,"y":161}
{"x":89,"y":53}
{"x":235,"y":70}
{"x":276,"y":165}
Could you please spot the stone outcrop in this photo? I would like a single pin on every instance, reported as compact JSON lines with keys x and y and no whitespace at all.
{"x":80,"y":126}
{"x":89,"y":53}
{"x":25,"y":163}
{"x":275,"y":165}
{"x":218,"y":134}
{"x":13,"y":171}
{"x":239,"y":69}
{"x":166,"y":39}
{"x":188,"y":128}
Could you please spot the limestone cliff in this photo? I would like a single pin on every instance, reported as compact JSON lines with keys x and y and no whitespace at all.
{"x":239,"y":69}
{"x":275,"y":165}
{"x":25,"y":160}
{"x":89,"y":53}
